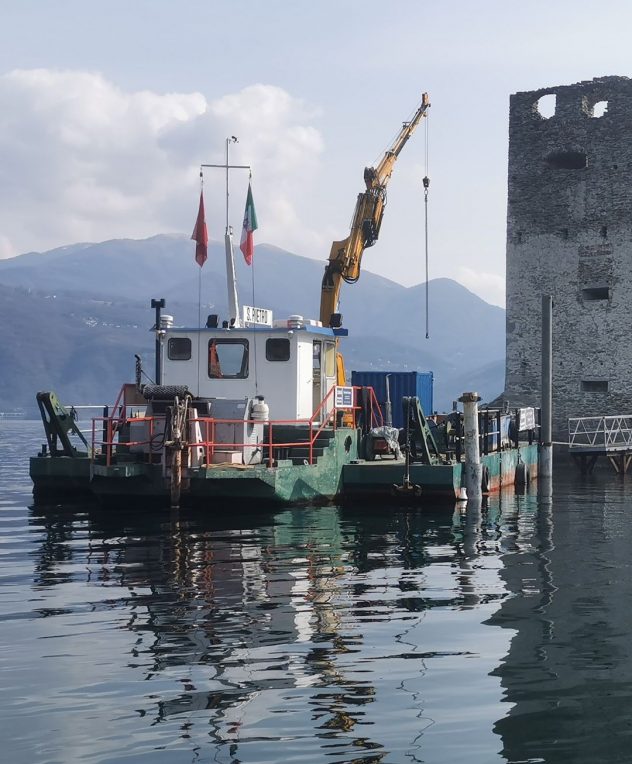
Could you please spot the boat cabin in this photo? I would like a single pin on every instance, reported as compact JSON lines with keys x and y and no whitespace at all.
{"x":291,"y":364}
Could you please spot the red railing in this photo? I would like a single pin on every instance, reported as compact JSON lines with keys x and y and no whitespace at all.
{"x":325,"y":415}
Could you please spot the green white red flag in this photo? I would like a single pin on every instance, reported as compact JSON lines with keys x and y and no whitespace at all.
{"x":247,"y":243}
{"x":200,"y":235}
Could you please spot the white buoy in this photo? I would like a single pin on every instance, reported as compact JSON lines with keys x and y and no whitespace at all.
{"x":462,"y":495}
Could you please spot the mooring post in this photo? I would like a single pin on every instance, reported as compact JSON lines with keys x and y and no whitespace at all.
{"x":472,"y":468}
{"x":545,"y":466}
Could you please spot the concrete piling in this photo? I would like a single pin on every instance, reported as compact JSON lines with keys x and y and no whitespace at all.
{"x":472,"y":469}
{"x":545,"y":465}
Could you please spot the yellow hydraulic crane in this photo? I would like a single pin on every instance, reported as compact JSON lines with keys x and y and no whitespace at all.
{"x":346,"y":255}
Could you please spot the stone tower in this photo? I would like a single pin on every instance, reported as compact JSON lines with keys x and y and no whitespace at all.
{"x":569,"y":234}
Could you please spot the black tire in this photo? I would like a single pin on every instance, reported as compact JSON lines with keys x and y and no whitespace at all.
{"x":485,"y":479}
{"x":367,"y":448}
{"x":522,"y":474}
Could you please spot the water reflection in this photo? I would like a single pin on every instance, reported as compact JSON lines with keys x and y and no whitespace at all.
{"x":318,"y":631}
{"x":493,"y":633}
{"x":567,"y":673}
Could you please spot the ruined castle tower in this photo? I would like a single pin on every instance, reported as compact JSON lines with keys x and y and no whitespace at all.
{"x":569,"y":234}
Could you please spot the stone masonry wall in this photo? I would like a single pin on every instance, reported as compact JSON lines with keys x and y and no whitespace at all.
{"x":569,"y":233}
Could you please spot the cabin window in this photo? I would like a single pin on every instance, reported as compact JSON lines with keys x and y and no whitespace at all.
{"x":228,"y":359}
{"x":179,"y":349}
{"x":594,"y":385}
{"x":278,"y":349}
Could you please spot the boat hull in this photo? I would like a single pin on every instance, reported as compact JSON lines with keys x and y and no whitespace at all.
{"x":338,"y":474}
{"x":284,"y":484}
{"x":376,"y":479}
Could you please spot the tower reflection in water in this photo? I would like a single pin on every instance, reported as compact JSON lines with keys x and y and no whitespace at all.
{"x":568,"y":671}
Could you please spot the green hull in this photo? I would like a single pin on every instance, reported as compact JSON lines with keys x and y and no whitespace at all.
{"x":376,"y":479}
{"x":336,"y":474}
{"x":60,"y":477}
{"x":286,"y":483}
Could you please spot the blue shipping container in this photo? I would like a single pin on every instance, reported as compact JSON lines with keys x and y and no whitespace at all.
{"x":401,"y":384}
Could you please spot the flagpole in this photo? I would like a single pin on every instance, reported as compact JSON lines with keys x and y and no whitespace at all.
{"x":231,"y":280}
{"x":200,"y":271}
{"x":199,"y":342}
{"x":254,"y":302}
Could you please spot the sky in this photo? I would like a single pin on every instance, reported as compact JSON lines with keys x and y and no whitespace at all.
{"x":107,"y":111}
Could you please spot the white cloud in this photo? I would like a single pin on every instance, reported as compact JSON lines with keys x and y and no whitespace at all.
{"x":489,"y":286}
{"x":83,"y":160}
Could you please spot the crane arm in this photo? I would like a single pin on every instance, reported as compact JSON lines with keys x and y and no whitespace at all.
{"x":346,"y":255}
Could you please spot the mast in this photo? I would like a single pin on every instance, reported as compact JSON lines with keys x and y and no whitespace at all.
{"x":231,"y":279}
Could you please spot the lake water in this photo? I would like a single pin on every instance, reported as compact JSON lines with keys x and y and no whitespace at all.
{"x":316,"y":634}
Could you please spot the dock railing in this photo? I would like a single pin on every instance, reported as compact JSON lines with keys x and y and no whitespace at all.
{"x":600,"y":434}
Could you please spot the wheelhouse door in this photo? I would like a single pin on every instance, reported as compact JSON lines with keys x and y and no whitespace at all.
{"x":329,"y":372}
{"x":317,"y":374}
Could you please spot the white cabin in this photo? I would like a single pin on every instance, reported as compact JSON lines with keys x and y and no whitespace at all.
{"x":292,"y":364}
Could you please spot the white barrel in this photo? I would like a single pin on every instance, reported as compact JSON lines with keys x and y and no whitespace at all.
{"x":260,"y":411}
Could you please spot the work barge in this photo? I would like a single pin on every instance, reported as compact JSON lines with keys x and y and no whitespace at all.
{"x":306,"y":440}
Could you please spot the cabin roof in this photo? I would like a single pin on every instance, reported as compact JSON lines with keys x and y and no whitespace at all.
{"x":245,"y":330}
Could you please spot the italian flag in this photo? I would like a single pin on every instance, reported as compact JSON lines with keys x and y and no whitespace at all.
{"x":247,"y":244}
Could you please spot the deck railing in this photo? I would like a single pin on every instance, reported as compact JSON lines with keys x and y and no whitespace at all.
{"x":110,"y":428}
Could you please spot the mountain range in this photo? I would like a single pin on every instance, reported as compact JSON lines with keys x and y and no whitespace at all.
{"x":76,"y":315}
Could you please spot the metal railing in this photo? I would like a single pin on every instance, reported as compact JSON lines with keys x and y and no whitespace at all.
{"x":600,"y":433}
{"x":326,"y":415}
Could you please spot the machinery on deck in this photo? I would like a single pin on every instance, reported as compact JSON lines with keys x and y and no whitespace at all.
{"x":346,"y":255}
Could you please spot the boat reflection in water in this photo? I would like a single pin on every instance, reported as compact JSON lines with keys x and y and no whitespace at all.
{"x":354,"y":634}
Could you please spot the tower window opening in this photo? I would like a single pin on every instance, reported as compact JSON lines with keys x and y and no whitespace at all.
{"x":567,"y":159}
{"x":604,"y":232}
{"x":594,"y":385}
{"x":591,"y":294}
{"x":599,"y":109}
{"x":545,"y":106}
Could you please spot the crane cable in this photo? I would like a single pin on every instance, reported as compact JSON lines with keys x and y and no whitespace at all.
{"x":426,"y":184}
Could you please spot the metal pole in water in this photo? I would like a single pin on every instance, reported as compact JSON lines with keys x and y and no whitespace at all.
{"x":472,"y":469}
{"x":545,"y":466}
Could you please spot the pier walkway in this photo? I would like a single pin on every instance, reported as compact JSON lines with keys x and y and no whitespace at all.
{"x":590,"y":437}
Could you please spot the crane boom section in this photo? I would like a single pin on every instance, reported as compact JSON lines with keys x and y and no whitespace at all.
{"x":346,"y":255}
